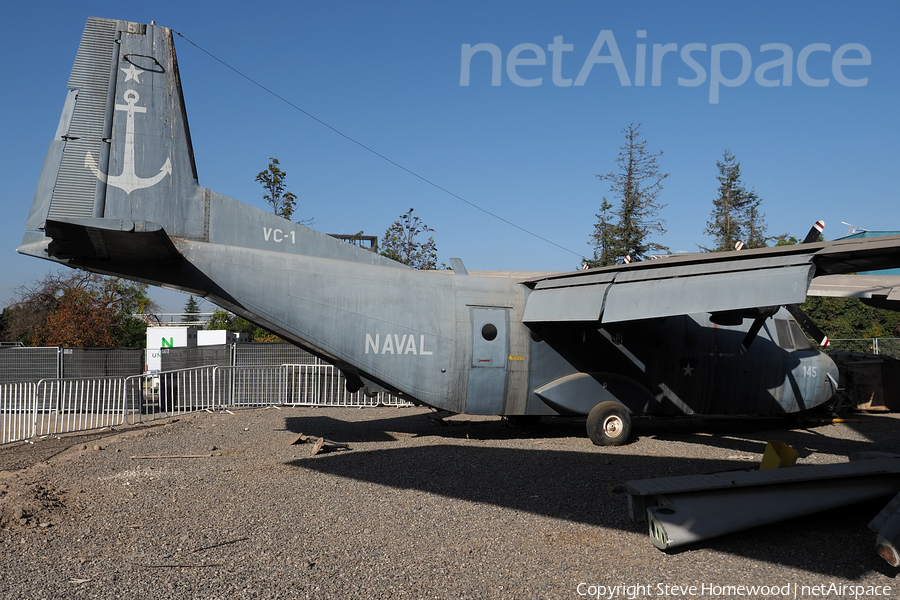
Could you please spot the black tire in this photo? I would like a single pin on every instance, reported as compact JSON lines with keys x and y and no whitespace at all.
{"x":797,"y":420}
{"x":609,"y":424}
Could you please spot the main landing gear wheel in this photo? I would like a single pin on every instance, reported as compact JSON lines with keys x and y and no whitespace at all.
{"x":797,"y":420}
{"x":609,"y":424}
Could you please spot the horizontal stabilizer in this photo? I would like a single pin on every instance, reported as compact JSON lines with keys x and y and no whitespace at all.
{"x":102,"y":244}
{"x":115,"y":240}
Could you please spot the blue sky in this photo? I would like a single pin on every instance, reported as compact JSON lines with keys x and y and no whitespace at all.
{"x":389,"y":76}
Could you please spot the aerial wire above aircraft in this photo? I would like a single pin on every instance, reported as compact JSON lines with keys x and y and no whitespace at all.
{"x":119,"y":195}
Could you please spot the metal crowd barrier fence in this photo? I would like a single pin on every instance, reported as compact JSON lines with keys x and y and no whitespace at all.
{"x":250,"y":386}
{"x":316,"y":385}
{"x":160,"y":395}
{"x":17,"y":411}
{"x":56,"y":406}
{"x":67,"y":405}
{"x":170,"y":393}
{"x":323,"y":385}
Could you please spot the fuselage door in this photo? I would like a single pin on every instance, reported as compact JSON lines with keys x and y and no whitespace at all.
{"x":490,"y":351}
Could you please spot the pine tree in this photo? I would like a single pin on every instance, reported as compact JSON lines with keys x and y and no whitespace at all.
{"x":191,"y":310}
{"x":605,"y":238}
{"x":636,"y":185}
{"x":756,"y":228}
{"x":735,"y":215}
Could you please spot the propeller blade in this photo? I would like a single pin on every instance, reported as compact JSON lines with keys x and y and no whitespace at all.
{"x":814,"y":232}
{"x":801,"y":317}
{"x":808,"y":324}
{"x":751,"y":334}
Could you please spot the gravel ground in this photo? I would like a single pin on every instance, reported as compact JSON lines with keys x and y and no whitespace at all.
{"x":475,"y":508}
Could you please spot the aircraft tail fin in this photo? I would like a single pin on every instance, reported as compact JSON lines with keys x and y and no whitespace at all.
{"x":124,"y":91}
{"x":122,"y":144}
{"x":119,"y":184}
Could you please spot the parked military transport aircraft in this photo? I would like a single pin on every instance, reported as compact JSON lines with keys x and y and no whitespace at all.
{"x":119,"y":195}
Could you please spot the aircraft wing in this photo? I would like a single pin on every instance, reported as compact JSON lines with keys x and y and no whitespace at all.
{"x":697,"y":283}
{"x":881,"y":291}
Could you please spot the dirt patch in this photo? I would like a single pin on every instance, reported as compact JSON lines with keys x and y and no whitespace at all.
{"x":28,"y":499}
{"x":25,"y":504}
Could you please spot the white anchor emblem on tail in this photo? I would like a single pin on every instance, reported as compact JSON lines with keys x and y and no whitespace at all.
{"x":128,"y":180}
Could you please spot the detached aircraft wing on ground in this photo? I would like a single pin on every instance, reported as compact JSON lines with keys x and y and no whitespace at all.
{"x":119,"y":195}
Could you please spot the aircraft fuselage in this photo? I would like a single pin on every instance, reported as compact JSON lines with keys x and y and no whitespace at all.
{"x":119,"y":195}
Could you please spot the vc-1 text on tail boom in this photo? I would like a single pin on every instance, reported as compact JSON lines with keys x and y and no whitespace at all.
{"x":119,"y":195}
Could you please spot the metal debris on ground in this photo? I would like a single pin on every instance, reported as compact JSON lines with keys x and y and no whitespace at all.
{"x":887,"y":527}
{"x":687,"y":509}
{"x":320,"y":444}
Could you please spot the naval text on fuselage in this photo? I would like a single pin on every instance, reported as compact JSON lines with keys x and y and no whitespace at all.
{"x":397,"y":344}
